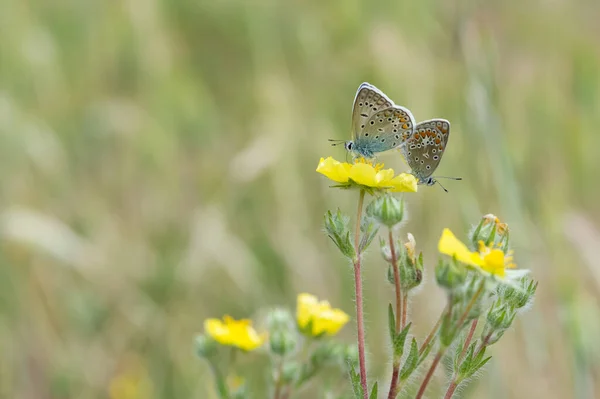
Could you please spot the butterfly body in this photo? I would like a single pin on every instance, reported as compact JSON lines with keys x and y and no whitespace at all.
{"x":378,"y":125}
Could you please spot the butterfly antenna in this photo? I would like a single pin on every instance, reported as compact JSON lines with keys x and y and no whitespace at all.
{"x":443,"y":188}
{"x":448,"y":177}
{"x":335,"y":142}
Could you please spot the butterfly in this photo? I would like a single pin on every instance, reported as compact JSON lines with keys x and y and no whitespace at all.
{"x":378,"y":124}
{"x":424,"y":148}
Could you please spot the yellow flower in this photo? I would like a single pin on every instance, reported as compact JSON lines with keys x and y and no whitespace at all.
{"x":367,"y":175}
{"x":488,"y":259}
{"x":319,"y":315}
{"x":238,"y":333}
{"x":132,"y":382}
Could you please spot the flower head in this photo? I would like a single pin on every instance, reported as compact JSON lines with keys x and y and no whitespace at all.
{"x":366,"y":175}
{"x":132,"y":382}
{"x":238,"y":333}
{"x":319,"y":316}
{"x":490,"y":260}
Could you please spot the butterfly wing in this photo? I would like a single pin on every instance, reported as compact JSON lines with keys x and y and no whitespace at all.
{"x":368,"y":100}
{"x":387,"y":129}
{"x":423,"y":150}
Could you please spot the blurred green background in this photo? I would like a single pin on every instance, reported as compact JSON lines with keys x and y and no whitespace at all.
{"x":157,"y":168}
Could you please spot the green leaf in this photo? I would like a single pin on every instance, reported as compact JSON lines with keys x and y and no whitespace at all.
{"x":355,"y":379}
{"x":373,"y":394}
{"x":411,"y":362}
{"x":426,"y":351}
{"x":399,"y":341}
{"x":391,"y":322}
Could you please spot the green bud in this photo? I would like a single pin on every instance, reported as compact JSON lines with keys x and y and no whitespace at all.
{"x":290,"y":372}
{"x":280,"y":319}
{"x":387,"y":210}
{"x":500,"y":316}
{"x":326,"y":353}
{"x":492,"y":232}
{"x":449,"y":275}
{"x":519,"y":296}
{"x":282,"y":342}
{"x":350,"y":355}
{"x":411,"y":266}
{"x":205,"y":346}
{"x":336,"y":227}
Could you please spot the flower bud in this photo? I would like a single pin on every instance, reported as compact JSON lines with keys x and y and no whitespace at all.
{"x":411,"y":266}
{"x":350,"y":355}
{"x":500,"y":316}
{"x":492,"y":232}
{"x":387,"y":210}
{"x":520,"y":296}
{"x":290,"y":372}
{"x":448,"y":275}
{"x":282,"y":342}
{"x":205,"y":346}
{"x":279,"y":318}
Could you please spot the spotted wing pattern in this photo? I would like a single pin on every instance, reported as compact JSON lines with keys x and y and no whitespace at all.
{"x":386,"y":130}
{"x":423,"y":150}
{"x":368,"y":101}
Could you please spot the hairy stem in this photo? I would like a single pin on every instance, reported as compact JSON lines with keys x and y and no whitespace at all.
{"x":454,"y":383}
{"x":359,"y":301}
{"x":468,"y":340}
{"x":451,"y":389}
{"x":432,"y":333}
{"x":441,"y":351}
{"x":432,"y":368}
{"x":400,"y":319}
{"x":483,"y":344}
{"x":404,"y":309}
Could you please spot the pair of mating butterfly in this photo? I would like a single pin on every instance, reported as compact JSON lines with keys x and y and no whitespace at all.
{"x":379,"y":125}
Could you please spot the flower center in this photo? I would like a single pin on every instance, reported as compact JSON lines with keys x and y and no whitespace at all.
{"x":376,"y":166}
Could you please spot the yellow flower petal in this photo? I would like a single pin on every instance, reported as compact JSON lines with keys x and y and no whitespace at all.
{"x":217,"y":330}
{"x":305,"y":304}
{"x":334,"y":170}
{"x":450,"y":245}
{"x":404,"y":182}
{"x":363,"y":173}
{"x":322,"y":318}
{"x":493,"y":263}
{"x":238,"y":333}
{"x":383,"y":177}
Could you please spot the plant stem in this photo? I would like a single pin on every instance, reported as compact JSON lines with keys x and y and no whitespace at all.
{"x":470,"y":305}
{"x":451,"y":389}
{"x":483,"y":344}
{"x":359,"y":301}
{"x":468,"y":340}
{"x":400,"y":319}
{"x":441,"y":351}
{"x":432,"y":333}
{"x":432,"y":368}
{"x":278,"y":381}
{"x":454,"y":383}
{"x":397,"y":285}
{"x":287,"y":392}
{"x":219,"y":381}
{"x":404,"y":309}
